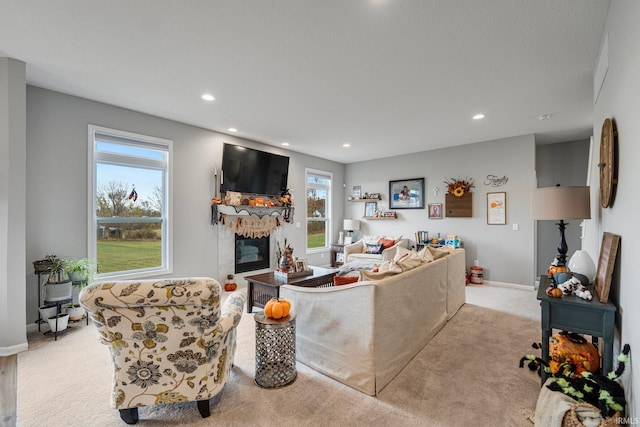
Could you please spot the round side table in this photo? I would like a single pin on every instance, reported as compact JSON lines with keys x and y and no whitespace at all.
{"x":275,"y":351}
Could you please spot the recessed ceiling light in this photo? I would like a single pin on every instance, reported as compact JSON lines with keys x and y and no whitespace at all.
{"x":478,"y":116}
{"x":286,"y":144}
{"x":233,"y":130}
{"x":544,"y":116}
{"x":347,"y":145}
{"x":208,"y":97}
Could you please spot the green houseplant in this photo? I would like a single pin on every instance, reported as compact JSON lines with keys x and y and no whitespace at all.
{"x":58,"y":285}
{"x":81,"y":272}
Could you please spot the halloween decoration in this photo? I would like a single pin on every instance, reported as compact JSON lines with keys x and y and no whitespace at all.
{"x":230,"y":285}
{"x":601,"y":391}
{"x":277,"y":308}
{"x":554,"y":292}
{"x":575,"y":350}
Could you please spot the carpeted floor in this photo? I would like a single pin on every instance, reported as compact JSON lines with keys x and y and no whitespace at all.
{"x":467,"y":375}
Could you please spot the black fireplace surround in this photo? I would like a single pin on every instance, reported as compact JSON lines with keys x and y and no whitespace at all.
{"x":251,"y":254}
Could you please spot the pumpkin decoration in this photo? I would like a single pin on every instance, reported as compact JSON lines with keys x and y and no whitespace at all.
{"x":576,"y":350}
{"x":555,"y":269}
{"x":230,"y":285}
{"x":554,"y":292}
{"x":277,"y":308}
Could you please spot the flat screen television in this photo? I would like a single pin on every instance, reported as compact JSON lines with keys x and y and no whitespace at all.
{"x":246,"y":170}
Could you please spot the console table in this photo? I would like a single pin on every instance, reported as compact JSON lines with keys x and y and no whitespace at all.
{"x":574,"y":314}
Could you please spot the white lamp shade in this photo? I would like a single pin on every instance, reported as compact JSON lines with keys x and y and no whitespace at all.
{"x":581,"y":263}
{"x":556,"y":203}
{"x":351,"y":225}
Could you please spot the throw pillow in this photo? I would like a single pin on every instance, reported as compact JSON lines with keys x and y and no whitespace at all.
{"x":425,"y":255}
{"x":386,"y":243}
{"x":374,"y":249}
{"x":344,"y":280}
{"x":437,"y":253}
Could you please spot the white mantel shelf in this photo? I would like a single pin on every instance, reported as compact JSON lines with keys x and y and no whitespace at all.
{"x":244,"y":210}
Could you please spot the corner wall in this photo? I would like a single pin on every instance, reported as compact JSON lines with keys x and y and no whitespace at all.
{"x":507,"y":255}
{"x":620,"y":99}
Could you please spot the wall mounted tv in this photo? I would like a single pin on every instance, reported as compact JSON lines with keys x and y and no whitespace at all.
{"x":246,"y":170}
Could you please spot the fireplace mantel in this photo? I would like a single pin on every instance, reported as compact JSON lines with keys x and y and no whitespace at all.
{"x":286,"y":212}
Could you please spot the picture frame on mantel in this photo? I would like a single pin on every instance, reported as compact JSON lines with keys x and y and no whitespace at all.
{"x":406,"y":194}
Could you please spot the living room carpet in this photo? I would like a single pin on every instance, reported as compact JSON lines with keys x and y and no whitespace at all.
{"x":468,"y":375}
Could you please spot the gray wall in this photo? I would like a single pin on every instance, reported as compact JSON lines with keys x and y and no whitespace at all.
{"x":56,"y":219}
{"x":566,"y":164}
{"x":619,"y":99}
{"x":506,"y":255}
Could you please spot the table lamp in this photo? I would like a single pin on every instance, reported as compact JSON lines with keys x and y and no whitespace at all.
{"x":350,"y":225}
{"x":560,"y":203}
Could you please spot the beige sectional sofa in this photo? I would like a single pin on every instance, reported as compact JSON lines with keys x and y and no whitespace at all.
{"x":363,"y":334}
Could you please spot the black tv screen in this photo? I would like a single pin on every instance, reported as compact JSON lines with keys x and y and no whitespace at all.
{"x":246,"y":170}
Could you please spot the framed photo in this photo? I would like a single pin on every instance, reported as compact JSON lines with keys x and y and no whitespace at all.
{"x":435,"y":210}
{"x":300,"y":265}
{"x":375,"y":196}
{"x":370,"y":208}
{"x":406,"y":194}
{"x":497,"y":208}
{"x":357,"y":192}
{"x":606,"y":262}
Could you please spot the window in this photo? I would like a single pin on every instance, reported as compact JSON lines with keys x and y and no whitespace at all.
{"x":318,"y":186}
{"x":130,"y":203}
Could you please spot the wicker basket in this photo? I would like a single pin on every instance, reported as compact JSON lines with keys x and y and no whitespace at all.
{"x":572,"y":419}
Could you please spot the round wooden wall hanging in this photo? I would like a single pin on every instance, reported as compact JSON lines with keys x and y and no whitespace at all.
{"x":607,"y":163}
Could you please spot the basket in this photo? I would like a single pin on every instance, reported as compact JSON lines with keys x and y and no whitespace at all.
{"x":572,"y":418}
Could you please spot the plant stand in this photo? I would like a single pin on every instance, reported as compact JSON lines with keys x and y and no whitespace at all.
{"x":58,"y":305}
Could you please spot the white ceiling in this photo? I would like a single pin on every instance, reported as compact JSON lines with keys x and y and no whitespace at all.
{"x":387,"y":76}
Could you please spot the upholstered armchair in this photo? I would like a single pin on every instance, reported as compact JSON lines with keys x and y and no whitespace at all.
{"x":169,"y":340}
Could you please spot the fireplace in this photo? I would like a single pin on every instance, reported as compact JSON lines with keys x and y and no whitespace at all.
{"x":251,"y":254}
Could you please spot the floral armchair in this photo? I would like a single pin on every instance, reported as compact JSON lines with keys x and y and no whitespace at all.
{"x":169,"y":340}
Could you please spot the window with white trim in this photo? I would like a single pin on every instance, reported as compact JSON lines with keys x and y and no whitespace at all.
{"x":130,"y":203}
{"x":318,"y":188}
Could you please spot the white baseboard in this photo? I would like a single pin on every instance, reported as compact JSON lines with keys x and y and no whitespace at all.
{"x":14,"y":349}
{"x":508,"y":285}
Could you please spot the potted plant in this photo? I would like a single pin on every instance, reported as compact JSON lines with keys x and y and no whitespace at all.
{"x":75,"y":312}
{"x":60,"y":320}
{"x":81,"y":272}
{"x":44,"y":265}
{"x":58,"y":285}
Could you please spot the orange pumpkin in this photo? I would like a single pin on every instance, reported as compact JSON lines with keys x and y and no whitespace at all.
{"x":554,"y":292}
{"x":553,"y":269}
{"x":576,"y":350}
{"x":277,"y":308}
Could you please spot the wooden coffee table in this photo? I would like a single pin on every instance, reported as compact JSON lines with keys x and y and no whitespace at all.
{"x":263,"y":287}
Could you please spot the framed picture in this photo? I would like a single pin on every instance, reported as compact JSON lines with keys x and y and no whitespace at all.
{"x":606,"y":262}
{"x":406,"y":194}
{"x":435,"y":210}
{"x":370,"y":208}
{"x":497,"y":208}
{"x":357,"y":192}
{"x":375,"y":196}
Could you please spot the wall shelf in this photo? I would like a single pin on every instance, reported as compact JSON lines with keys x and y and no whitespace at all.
{"x":378,"y":217}
{"x":286,"y":212}
{"x":364,"y":200}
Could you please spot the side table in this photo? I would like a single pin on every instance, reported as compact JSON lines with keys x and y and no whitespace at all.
{"x":337,"y":254}
{"x":275,"y":351}
{"x":574,"y":314}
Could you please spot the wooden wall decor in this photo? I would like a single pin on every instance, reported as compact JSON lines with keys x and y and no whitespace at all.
{"x":459,"y":207}
{"x":606,"y":262}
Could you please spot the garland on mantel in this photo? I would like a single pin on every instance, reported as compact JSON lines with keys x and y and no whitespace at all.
{"x":253,"y":228}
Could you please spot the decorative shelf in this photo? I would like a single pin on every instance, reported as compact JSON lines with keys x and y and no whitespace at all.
{"x":286,"y":212}
{"x":364,"y":200}
{"x":379,"y":217}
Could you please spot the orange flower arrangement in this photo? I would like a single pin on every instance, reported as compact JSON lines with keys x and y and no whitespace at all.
{"x":459,"y":187}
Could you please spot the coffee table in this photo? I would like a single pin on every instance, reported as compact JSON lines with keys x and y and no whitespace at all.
{"x":263,"y":287}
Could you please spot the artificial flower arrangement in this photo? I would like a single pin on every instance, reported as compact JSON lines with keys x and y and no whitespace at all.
{"x":459,"y":187}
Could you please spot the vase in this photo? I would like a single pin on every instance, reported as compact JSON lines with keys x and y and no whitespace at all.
{"x":581,"y":263}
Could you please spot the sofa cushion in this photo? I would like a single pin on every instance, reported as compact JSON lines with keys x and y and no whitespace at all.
{"x":373,"y":248}
{"x":407,"y":259}
{"x":425,"y":254}
{"x":386,"y":243}
{"x":344,"y":280}
{"x":437,"y":253}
